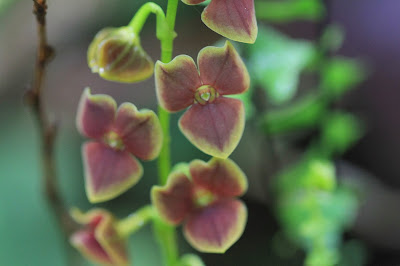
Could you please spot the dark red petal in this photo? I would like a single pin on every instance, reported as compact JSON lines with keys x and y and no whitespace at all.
{"x":86,"y":243}
{"x":100,"y":241}
{"x":222,"y":177}
{"x":140,"y":131}
{"x":234,"y":19}
{"x":108,"y":172}
{"x":217,"y":227}
{"x":176,"y":83}
{"x":215,"y":128}
{"x":174,"y":200}
{"x":223,"y":69}
{"x":96,"y":114}
{"x":108,"y":237}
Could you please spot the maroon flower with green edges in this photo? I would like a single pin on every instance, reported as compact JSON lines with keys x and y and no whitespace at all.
{"x":118,"y":136}
{"x":99,"y":239}
{"x":214,"y":123}
{"x":234,"y":19}
{"x":205,"y":200}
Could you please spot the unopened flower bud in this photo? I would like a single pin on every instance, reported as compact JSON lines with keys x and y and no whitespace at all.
{"x":116,"y":54}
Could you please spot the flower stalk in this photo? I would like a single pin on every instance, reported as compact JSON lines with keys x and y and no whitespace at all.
{"x":135,"y":221}
{"x":165,"y":233}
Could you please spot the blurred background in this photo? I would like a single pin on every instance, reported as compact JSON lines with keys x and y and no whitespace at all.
{"x":301,"y":52}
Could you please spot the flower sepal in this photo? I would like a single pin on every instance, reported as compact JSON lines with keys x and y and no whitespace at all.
{"x":117,"y":55}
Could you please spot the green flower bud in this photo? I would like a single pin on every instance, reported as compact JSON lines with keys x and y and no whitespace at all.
{"x":116,"y":54}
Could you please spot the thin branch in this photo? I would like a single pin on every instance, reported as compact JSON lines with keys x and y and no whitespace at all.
{"x":47,"y":130}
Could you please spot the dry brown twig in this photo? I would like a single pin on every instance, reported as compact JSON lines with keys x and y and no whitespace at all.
{"x":47,"y":129}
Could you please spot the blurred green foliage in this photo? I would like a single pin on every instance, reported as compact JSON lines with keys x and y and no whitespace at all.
{"x":304,"y":113}
{"x":314,"y":210}
{"x":289,"y":10}
{"x":339,"y":132}
{"x":332,"y":38}
{"x":275,"y":63}
{"x":341,"y":74}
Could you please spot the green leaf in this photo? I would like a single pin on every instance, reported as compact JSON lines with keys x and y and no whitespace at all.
{"x":287,"y":11}
{"x":276,"y":61}
{"x":339,"y":132}
{"x":306,"y":113}
{"x":341,"y":74}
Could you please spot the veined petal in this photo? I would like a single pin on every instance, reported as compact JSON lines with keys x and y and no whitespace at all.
{"x":215,"y":128}
{"x":223,"y":69}
{"x":217,"y":227}
{"x":95,"y":114}
{"x":193,"y":2}
{"x":92,"y":50}
{"x":234,"y":19}
{"x":174,"y":200}
{"x":176,"y":83}
{"x":222,"y":177}
{"x":140,"y":131}
{"x":116,"y":54}
{"x":108,"y":172}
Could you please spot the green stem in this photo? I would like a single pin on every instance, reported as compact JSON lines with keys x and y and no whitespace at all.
{"x":164,"y":233}
{"x":135,"y":221}
{"x":143,"y":13}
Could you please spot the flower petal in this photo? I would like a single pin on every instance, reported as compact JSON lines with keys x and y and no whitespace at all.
{"x":99,"y":241}
{"x":95,"y":114}
{"x":216,"y":227}
{"x":222,"y":177}
{"x":176,"y":83}
{"x":87,"y":244}
{"x":140,"y":131}
{"x":92,"y":50}
{"x":108,"y":172}
{"x":223,"y":69}
{"x":193,"y":2}
{"x":113,"y":244}
{"x":214,"y":128}
{"x":91,"y":218}
{"x":174,"y":200}
{"x":233,"y":19}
